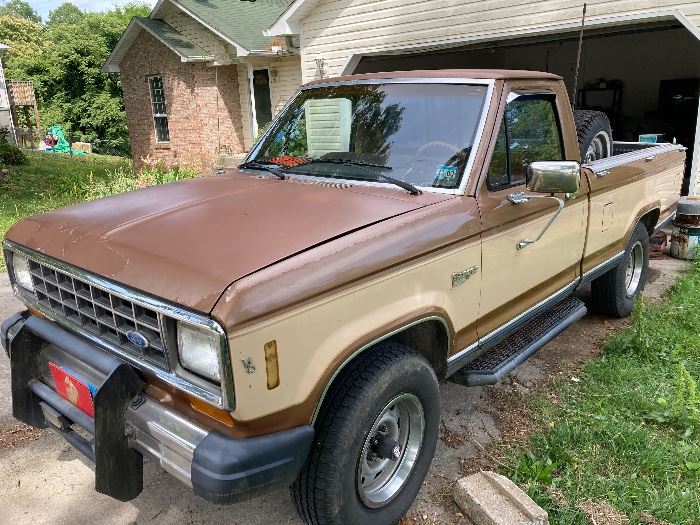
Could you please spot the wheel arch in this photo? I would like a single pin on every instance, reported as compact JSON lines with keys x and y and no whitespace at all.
{"x":430,"y":335}
{"x":650,"y":219}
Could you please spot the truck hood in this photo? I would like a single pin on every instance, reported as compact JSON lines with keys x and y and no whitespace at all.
{"x":187,"y":242}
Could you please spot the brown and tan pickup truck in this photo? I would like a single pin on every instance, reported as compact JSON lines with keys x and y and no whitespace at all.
{"x":289,"y":322}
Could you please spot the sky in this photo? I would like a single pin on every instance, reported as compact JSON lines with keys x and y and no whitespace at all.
{"x":44,"y":6}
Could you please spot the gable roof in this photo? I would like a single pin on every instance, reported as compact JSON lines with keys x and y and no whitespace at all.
{"x":289,"y":21}
{"x":176,"y":41}
{"x":187,"y":50}
{"x":241,"y":22}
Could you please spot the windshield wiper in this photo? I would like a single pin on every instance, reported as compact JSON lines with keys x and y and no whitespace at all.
{"x":410,"y":188}
{"x":267,"y":166}
{"x":398,"y":182}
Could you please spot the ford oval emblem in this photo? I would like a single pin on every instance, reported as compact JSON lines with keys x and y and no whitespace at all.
{"x":137,"y":339}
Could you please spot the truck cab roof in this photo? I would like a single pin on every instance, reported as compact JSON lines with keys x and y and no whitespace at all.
{"x":486,"y":74}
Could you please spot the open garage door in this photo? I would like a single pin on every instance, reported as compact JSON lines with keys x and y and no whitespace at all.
{"x":645,"y":76}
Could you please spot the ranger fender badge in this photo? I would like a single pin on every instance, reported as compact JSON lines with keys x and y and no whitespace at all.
{"x":461,"y":277}
{"x":248,"y":365}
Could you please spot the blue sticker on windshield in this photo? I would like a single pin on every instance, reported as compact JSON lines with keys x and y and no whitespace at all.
{"x":445,"y":175}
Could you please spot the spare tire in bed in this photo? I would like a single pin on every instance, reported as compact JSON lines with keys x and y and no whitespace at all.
{"x":594,"y":135}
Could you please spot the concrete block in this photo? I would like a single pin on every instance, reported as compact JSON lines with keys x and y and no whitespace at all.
{"x":82,"y":146}
{"x":488,"y":498}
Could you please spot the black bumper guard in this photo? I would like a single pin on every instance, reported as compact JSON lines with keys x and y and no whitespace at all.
{"x":118,"y":468}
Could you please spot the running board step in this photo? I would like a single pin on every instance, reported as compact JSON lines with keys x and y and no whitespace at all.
{"x":491,"y":366}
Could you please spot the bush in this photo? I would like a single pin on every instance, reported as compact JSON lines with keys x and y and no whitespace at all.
{"x":125,"y":179}
{"x":10,"y":154}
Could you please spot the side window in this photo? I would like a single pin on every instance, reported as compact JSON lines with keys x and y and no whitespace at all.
{"x":529,"y":132}
{"x":158,"y":108}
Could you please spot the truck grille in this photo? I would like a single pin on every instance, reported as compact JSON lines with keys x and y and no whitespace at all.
{"x":100,"y":312}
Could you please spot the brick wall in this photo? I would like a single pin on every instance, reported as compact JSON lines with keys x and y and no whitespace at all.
{"x":204,"y":110}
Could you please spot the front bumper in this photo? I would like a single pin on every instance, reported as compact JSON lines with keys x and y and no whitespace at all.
{"x":128,"y":424}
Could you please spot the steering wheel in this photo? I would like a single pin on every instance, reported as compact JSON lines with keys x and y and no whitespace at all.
{"x":454,"y":150}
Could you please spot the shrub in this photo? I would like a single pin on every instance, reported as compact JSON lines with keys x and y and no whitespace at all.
{"x":10,"y":154}
{"x":125,"y":179}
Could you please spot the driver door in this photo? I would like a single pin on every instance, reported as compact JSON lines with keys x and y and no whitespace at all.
{"x":516,"y":279}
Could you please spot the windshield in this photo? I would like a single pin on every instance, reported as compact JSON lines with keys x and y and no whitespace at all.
{"x":422,"y":134}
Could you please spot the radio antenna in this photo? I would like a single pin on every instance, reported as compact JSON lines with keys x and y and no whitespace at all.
{"x":578,"y":59}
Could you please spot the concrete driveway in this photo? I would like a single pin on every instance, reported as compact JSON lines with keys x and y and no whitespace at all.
{"x":45,"y":481}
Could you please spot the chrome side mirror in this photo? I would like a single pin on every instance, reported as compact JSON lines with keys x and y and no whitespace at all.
{"x":561,"y":176}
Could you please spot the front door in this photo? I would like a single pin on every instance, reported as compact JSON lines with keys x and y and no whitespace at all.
{"x":515,"y":279}
{"x":263,"y":100}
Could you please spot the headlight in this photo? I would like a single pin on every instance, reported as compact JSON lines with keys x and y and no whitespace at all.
{"x":20,"y":267}
{"x":199,"y":350}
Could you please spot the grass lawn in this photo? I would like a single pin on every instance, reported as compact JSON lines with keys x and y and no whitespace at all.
{"x":628,"y":433}
{"x":50,"y":181}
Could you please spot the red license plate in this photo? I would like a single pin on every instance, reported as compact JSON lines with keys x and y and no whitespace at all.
{"x":74,"y":389}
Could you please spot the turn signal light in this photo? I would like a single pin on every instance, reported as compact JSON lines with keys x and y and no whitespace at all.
{"x":272,"y":365}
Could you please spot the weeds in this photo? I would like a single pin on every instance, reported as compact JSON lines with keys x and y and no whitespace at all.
{"x":628,"y":432}
{"x":683,"y":413}
{"x":50,"y":181}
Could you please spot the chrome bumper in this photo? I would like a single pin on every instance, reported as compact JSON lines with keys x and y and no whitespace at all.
{"x":164,"y":436}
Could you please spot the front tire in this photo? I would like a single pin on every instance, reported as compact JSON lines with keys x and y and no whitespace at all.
{"x":615,"y":292}
{"x":375,"y":439}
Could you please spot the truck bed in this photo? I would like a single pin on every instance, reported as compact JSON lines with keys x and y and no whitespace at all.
{"x":661,"y":165}
{"x":627,"y":152}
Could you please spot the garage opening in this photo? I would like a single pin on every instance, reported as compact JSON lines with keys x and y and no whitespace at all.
{"x":645,"y":77}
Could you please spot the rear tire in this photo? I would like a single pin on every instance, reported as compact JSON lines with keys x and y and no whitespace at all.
{"x":615,"y":292}
{"x":594,"y":135}
{"x":390,"y":391}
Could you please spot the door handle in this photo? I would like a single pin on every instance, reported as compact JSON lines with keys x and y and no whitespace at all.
{"x":520,"y":198}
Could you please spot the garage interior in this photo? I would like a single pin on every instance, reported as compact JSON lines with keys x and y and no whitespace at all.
{"x":645,"y":77}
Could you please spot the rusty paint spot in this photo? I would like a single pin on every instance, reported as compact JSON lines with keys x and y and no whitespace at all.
{"x":272,"y":365}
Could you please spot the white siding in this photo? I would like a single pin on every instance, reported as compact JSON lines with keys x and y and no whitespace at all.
{"x":244,"y":91}
{"x":4,"y":99}
{"x":337,"y":29}
{"x":288,"y":73}
{"x":288,"y":80}
{"x":5,"y":114}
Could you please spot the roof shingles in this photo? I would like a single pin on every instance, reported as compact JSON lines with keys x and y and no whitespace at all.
{"x":241,"y":21}
{"x":170,"y":37}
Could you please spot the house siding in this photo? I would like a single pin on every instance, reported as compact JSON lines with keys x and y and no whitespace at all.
{"x":337,"y":29}
{"x":5,"y":113}
{"x":281,"y":90}
{"x":203,"y":104}
{"x":244,"y":94}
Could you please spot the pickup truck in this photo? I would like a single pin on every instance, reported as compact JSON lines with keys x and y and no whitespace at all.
{"x":289,"y":322}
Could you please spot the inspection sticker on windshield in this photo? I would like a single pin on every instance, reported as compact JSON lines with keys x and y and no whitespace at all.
{"x":446,"y":175}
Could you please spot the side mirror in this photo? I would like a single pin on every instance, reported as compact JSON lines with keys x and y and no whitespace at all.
{"x":561,"y":176}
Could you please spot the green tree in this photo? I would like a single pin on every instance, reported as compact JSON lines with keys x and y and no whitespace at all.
{"x":65,"y":13}
{"x":26,"y":40}
{"x":64,"y":59}
{"x":19,"y":9}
